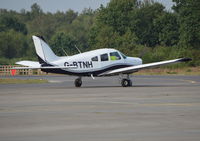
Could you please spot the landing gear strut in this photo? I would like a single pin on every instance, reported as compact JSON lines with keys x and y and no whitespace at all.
{"x":78,"y":82}
{"x":126,"y":82}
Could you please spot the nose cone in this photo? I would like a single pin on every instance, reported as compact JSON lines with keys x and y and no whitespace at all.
{"x":139,"y":60}
{"x":135,"y":61}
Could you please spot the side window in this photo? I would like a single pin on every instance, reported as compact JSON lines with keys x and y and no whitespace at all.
{"x":114,"y":56}
{"x":104,"y":57}
{"x":94,"y":58}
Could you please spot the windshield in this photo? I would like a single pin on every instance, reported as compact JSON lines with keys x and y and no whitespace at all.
{"x":124,"y":56}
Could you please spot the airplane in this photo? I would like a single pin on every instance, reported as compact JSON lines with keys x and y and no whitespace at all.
{"x":95,"y":63}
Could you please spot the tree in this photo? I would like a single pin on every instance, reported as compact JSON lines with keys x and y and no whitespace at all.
{"x":167,"y":27}
{"x":189,"y":18}
{"x":117,"y":14}
{"x":112,"y":24}
{"x":35,"y":10}
{"x":142,"y":23}
{"x":70,"y":16}
{"x":8,"y":21}
{"x":80,"y":28}
{"x":129,"y":15}
{"x":12,"y":44}
{"x":44,"y":25}
{"x":62,"y":42}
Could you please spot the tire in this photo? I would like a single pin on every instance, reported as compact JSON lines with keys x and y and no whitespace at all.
{"x":78,"y":82}
{"x":126,"y":83}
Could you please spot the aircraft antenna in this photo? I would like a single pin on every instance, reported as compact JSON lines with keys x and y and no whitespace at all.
{"x":77,"y":49}
{"x":64,"y":51}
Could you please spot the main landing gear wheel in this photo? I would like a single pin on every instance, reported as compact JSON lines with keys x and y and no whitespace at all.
{"x":78,"y":82}
{"x":125,"y":80}
{"x":126,"y":83}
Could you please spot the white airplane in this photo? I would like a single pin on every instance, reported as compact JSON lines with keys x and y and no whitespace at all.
{"x":96,"y":63}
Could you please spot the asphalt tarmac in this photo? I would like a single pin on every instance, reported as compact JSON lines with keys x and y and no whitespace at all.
{"x":156,"y":108}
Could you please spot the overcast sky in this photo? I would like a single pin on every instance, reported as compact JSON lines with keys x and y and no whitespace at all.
{"x":61,"y":5}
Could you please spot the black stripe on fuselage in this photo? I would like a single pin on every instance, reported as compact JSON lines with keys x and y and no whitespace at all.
{"x":94,"y":73}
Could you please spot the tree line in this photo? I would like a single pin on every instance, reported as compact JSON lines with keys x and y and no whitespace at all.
{"x":137,"y":28}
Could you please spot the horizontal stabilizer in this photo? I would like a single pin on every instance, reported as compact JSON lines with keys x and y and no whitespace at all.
{"x":28,"y":63}
{"x":37,"y":65}
{"x":47,"y":67}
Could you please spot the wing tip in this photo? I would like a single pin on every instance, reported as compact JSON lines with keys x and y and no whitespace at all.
{"x":185,"y":60}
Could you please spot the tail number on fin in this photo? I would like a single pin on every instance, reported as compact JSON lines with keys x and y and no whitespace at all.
{"x":80,"y":64}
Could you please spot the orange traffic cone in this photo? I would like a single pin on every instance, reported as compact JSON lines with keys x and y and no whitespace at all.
{"x":13,"y":72}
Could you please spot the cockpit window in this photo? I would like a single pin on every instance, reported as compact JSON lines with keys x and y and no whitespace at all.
{"x":124,"y":56}
{"x":94,"y":58}
{"x":114,"y":56}
{"x":104,"y":57}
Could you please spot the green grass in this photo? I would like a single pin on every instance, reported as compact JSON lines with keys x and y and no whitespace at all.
{"x":21,"y":81}
{"x":170,"y":71}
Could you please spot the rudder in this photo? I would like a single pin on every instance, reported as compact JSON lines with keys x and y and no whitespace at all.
{"x":44,"y":52}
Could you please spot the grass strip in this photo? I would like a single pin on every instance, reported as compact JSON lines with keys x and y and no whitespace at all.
{"x":168,"y":71}
{"x":21,"y":81}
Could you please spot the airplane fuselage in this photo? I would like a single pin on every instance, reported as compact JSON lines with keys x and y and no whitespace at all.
{"x":94,"y":62}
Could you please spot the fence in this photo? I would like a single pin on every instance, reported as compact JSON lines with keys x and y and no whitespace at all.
{"x":5,"y":70}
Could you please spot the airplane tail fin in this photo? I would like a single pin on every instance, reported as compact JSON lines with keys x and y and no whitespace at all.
{"x":44,"y":52}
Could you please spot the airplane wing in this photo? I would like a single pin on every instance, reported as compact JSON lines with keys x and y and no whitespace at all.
{"x":37,"y":65}
{"x":132,"y":69}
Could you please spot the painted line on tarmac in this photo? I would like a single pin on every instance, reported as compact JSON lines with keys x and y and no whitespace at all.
{"x":189,"y":81}
{"x":183,"y":80}
{"x":172,"y":104}
{"x":59,"y":81}
{"x":149,"y":104}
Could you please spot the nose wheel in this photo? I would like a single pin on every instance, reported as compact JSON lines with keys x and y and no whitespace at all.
{"x":78,"y":82}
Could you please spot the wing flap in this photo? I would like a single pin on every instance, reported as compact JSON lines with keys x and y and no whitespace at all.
{"x":150,"y":65}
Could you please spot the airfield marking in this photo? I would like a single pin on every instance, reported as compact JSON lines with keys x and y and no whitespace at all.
{"x":190,"y":81}
{"x":147,"y":104}
{"x":59,"y":81}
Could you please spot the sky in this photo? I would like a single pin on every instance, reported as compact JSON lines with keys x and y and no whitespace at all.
{"x":61,"y":5}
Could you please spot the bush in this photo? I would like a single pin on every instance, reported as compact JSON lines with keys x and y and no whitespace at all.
{"x":161,"y":53}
